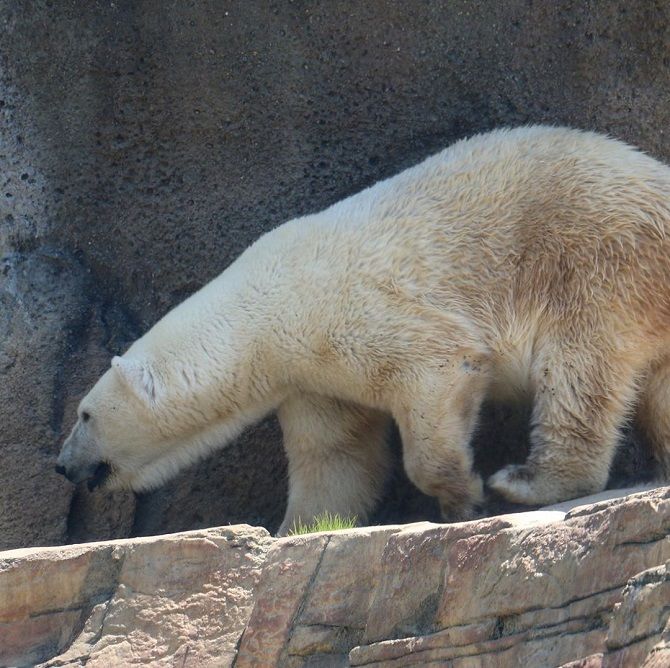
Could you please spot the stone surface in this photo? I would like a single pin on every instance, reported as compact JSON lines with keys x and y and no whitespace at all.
{"x":639,"y":628}
{"x":639,"y":632}
{"x":588,"y":588}
{"x":144,"y":145}
{"x":183,"y":597}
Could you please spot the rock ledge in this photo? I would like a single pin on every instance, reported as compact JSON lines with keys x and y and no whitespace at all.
{"x":584,"y":588}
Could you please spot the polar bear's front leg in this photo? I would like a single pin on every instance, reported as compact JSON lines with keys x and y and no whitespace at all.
{"x":584,"y":390}
{"x":338,"y":458}
{"x":437,"y":416}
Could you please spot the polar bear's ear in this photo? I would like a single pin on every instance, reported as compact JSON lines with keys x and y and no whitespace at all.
{"x":138,"y":376}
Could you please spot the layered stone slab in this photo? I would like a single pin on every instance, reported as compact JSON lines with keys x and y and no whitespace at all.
{"x":577,"y":585}
{"x":146,"y":601}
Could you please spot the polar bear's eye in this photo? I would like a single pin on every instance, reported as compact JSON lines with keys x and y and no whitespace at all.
{"x":85,"y":417}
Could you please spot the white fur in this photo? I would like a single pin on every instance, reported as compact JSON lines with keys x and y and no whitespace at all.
{"x":531,"y":261}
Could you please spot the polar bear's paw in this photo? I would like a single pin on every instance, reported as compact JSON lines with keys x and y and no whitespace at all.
{"x":469,"y":507}
{"x":516,"y":483}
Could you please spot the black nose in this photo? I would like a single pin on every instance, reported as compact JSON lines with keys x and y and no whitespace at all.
{"x":60,"y":469}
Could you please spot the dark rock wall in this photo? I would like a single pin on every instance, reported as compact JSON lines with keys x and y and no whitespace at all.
{"x":144,"y":145}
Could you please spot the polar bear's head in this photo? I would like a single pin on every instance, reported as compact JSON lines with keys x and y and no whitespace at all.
{"x":120,"y":439}
{"x":145,"y":420}
{"x":117,"y":434}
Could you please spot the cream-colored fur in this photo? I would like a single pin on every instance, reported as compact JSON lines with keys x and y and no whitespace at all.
{"x":530,"y":261}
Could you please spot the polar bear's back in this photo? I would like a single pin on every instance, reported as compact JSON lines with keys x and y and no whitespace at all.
{"x":521,"y":232}
{"x":551,"y":214}
{"x":528,"y":176}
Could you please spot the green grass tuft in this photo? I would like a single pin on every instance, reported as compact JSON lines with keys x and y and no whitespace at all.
{"x":324,"y":522}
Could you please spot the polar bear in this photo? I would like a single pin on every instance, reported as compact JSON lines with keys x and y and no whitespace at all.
{"x":528,"y":261}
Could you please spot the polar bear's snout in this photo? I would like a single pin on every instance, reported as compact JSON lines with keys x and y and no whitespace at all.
{"x":95,"y":474}
{"x":75,"y":472}
{"x":78,"y":461}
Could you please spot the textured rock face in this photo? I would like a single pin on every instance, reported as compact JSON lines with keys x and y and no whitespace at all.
{"x":144,"y":145}
{"x":182,"y":597}
{"x":588,"y":588}
{"x":639,"y":633}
